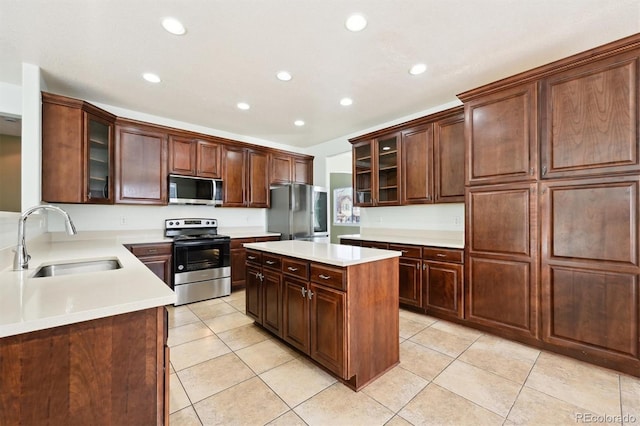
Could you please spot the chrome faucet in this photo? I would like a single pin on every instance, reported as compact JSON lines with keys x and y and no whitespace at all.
{"x":21,"y":258}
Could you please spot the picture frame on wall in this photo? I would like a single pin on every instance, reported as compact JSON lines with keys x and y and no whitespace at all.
{"x":344,"y":213}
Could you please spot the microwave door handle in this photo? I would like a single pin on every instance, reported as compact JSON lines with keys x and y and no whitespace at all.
{"x":215,"y":190}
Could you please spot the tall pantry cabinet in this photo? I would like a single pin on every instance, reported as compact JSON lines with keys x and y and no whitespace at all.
{"x":552,"y":201}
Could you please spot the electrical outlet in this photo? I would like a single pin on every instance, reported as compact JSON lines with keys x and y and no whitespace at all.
{"x":457,"y":220}
{"x":123,"y":220}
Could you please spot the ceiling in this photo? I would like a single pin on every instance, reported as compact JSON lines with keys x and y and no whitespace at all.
{"x":97,"y":50}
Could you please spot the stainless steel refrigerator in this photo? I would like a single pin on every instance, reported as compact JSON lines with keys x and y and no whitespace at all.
{"x":299,"y":212}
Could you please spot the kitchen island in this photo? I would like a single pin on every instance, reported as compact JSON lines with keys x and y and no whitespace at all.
{"x":85,"y":348}
{"x":337,"y":304}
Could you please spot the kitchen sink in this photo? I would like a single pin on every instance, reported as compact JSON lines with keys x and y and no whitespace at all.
{"x":70,"y":268}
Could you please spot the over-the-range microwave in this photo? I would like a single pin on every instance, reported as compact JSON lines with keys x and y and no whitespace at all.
{"x":195,"y":190}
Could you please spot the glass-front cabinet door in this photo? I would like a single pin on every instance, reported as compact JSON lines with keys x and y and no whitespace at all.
{"x":99,"y":135}
{"x":388,"y":174}
{"x":363,"y":174}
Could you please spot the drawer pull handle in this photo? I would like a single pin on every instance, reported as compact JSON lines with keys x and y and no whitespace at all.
{"x":270,"y":262}
{"x":405,"y":251}
{"x":251,"y":257}
{"x":310,"y":294}
{"x":152,"y":251}
{"x":324,"y":277}
{"x":441,"y":255}
{"x":292,"y":269}
{"x":304,"y":292}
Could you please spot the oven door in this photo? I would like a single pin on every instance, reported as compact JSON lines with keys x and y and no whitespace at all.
{"x":200,"y":254}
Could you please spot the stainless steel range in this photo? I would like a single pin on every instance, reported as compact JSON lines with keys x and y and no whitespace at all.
{"x":201,"y":259}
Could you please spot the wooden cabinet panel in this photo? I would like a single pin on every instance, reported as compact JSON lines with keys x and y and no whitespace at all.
{"x":281,"y":168}
{"x":272,"y":301}
{"x":209,"y":162}
{"x":442,"y":254}
{"x":590,"y":118}
{"x":258,"y":191}
{"x":350,"y":242}
{"x":328,"y":276}
{"x":417,"y":165}
{"x":407,"y":250}
{"x":501,"y":132}
{"x":328,"y":311}
{"x":443,"y":288}
{"x":363,"y":174}
{"x":296,"y":268}
{"x":295,"y":324}
{"x":448,"y":159}
{"x":375,"y":244}
{"x":388,"y":170}
{"x":141,"y":166}
{"x":182,"y":155}
{"x":410,"y":281}
{"x":303,"y":170}
{"x":158,"y":257}
{"x":234,"y":176}
{"x":254,"y":292}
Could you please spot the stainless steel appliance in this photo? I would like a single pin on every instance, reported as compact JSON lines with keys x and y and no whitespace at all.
{"x":299,"y":212}
{"x":201,"y":259}
{"x":195,"y":190}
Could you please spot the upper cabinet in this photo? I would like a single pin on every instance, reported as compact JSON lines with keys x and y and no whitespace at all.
{"x":77,"y":151}
{"x":141,"y":163}
{"x":194,"y":157}
{"x":418,"y":162}
{"x":286,"y":168}
{"x":246,"y":177}
{"x":589,"y":118}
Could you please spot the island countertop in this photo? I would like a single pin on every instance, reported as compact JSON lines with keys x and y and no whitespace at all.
{"x":30,"y":304}
{"x":332,"y":254}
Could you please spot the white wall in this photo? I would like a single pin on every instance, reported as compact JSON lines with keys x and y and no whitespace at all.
{"x":428,"y":217}
{"x":10,"y":99}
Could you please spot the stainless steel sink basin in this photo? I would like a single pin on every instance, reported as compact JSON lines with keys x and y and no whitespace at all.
{"x":70,"y":268}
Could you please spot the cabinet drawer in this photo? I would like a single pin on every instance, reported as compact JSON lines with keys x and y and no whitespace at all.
{"x":443,"y":255}
{"x":375,"y":244}
{"x":271,"y":261}
{"x":407,"y":250}
{"x":348,"y":242}
{"x":328,"y":276}
{"x":266,"y":239}
{"x":151,"y":249}
{"x":238,"y":242}
{"x":253,"y":256}
{"x":296,"y":268}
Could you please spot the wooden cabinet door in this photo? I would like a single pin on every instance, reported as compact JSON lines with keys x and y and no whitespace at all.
{"x":410,"y":281}
{"x":328,"y":313}
{"x":208,"y":156}
{"x":417,"y":165}
{"x":258,"y":190}
{"x":363,"y":174}
{"x":502,"y":286}
{"x":182,"y":155}
{"x":443,"y":288}
{"x":388,"y":170}
{"x":590,"y":266}
{"x":281,"y":168}
{"x":234,"y":176}
{"x":303,"y":171}
{"x":295,"y":313}
{"x":448,"y":159}
{"x":501,"y":133}
{"x":141,"y":166}
{"x":272,"y":302}
{"x":590,"y":118}
{"x":238,"y":272}
{"x":254,"y":293}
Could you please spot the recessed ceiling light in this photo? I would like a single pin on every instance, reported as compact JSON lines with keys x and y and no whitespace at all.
{"x":283,"y":76}
{"x":417,"y":69}
{"x":243,"y":105}
{"x":299,"y":123}
{"x":356,"y":22}
{"x":151,"y":78}
{"x":346,"y":101}
{"x":173,"y":26}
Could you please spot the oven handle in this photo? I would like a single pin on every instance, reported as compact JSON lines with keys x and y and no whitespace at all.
{"x":199,"y":242}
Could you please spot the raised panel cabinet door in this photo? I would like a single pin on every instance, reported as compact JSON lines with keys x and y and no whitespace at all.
{"x":590,"y":118}
{"x":281,"y":168}
{"x":258,"y":179}
{"x":303,"y":171}
{"x":417,"y":166}
{"x":272,"y":302}
{"x":208,"y":159}
{"x":254,"y":293}
{"x":141,"y":166}
{"x":410,"y":281}
{"x":448,"y":159}
{"x":443,"y":288}
{"x":182,"y":155}
{"x":234,"y":176}
{"x":328,"y":313}
{"x":501,"y":136}
{"x":159,"y":265}
{"x":238,"y":272}
{"x":295,"y":313}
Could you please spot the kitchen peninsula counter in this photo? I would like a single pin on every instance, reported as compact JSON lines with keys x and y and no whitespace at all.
{"x":336,"y":304}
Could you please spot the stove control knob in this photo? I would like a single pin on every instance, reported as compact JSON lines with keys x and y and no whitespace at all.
{"x":208,"y":222}
{"x":180,"y":267}
{"x":177,"y":223}
{"x":170,"y":223}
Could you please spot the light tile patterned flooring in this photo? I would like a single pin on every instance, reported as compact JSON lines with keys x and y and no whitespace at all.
{"x":227,"y":371}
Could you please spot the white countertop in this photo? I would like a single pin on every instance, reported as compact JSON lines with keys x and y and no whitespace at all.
{"x":419,"y":240}
{"x":31,"y":304}
{"x":332,"y":254}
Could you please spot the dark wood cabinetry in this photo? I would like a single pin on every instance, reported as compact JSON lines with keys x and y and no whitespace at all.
{"x":112,"y":370}
{"x":417,"y":165}
{"x":141,"y":164}
{"x":410,"y":270}
{"x":194,"y":157}
{"x":376,"y":171}
{"x":77,"y":151}
{"x":246,"y":177}
{"x":286,"y":168}
{"x":157,"y":257}
{"x":238,"y":257}
{"x":303,"y":170}
{"x":443,"y":279}
{"x":448,"y":159}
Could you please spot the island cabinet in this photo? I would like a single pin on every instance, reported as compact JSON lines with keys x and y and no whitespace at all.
{"x":194,"y":157}
{"x":141,"y":163}
{"x":112,"y":370}
{"x":264,"y":290}
{"x":77,"y":151}
{"x":157,"y":257}
{"x":246,"y":177}
{"x":238,"y":258}
{"x":344,"y":318}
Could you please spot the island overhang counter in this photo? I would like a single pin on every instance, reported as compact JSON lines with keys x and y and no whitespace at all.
{"x":337,"y":304}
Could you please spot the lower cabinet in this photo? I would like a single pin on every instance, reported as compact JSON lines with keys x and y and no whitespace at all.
{"x":238,"y":253}
{"x":157,"y":257}
{"x":442,"y":277}
{"x":112,"y":370}
{"x":410,"y":271}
